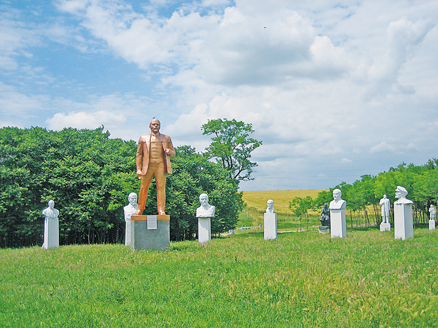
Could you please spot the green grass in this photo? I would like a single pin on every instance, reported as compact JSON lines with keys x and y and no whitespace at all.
{"x":305,"y":279}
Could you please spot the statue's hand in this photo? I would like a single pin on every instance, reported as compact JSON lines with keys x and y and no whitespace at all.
{"x":139,"y":174}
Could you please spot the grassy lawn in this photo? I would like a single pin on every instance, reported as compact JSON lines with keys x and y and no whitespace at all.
{"x":304,"y":279}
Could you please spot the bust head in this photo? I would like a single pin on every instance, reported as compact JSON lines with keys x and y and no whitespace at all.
{"x":337,"y":193}
{"x":132,"y":199}
{"x":155,"y":125}
{"x":203,"y":199}
{"x":51,"y":204}
{"x":400,"y":192}
{"x":270,"y":206}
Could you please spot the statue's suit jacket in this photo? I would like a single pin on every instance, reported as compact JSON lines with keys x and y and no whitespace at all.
{"x":143,"y":152}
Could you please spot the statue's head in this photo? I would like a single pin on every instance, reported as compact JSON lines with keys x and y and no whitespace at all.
{"x":51,"y":203}
{"x":270,"y":203}
{"x":400,"y":192}
{"x":203,"y":199}
{"x":132,"y":198}
{"x":337,"y":193}
{"x":155,"y":125}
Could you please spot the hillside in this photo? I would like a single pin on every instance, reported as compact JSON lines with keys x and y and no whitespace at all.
{"x":281,"y":198}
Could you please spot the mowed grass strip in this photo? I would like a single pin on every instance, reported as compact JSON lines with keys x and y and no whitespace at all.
{"x":305,"y":279}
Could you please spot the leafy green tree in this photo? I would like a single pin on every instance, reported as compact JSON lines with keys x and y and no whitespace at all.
{"x":78,"y":169}
{"x":89,"y":176}
{"x":232,"y":146}
{"x":193,"y":175}
{"x":301,"y":205}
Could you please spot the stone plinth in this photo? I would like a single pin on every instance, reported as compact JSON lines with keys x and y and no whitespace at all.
{"x":338,"y":223}
{"x":385,"y":226}
{"x":324,"y":229}
{"x":204,"y":230}
{"x":270,"y":226}
{"x":403,"y":221}
{"x":431,"y":224}
{"x":51,"y":233}
{"x":127,"y":233}
{"x":152,"y":239}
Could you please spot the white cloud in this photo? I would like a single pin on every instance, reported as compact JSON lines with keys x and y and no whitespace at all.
{"x":85,"y":120}
{"x":321,"y":82}
{"x":383,"y":147}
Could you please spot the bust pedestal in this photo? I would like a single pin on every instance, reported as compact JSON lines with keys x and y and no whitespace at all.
{"x":146,"y":236}
{"x":431,"y":224}
{"x":51,"y":233}
{"x":204,"y":230}
{"x":128,"y":233}
{"x":385,"y":226}
{"x":270,"y":226}
{"x":338,"y":223}
{"x":403,"y":221}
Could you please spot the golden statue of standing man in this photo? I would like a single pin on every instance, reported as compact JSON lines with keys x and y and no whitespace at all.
{"x":153,"y":158}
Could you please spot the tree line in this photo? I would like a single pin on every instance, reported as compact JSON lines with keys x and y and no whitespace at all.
{"x":365,"y":194}
{"x":89,"y":176}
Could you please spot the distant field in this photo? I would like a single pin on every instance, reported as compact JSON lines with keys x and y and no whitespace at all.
{"x":281,"y":198}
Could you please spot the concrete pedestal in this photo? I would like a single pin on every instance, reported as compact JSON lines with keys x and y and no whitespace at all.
{"x":324,"y":229}
{"x":431,"y":224}
{"x":385,"y":226}
{"x":51,"y":233}
{"x":270,"y":226}
{"x":338,"y":223}
{"x":204,"y":230}
{"x":153,"y":239}
{"x":127,"y":233}
{"x":403,"y":221}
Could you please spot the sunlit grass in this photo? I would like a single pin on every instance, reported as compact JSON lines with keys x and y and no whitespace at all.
{"x":304,"y":279}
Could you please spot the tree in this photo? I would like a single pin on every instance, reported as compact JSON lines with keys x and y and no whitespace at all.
{"x":193,"y":175}
{"x":89,"y":176}
{"x":299,"y":205}
{"x":232,"y":146}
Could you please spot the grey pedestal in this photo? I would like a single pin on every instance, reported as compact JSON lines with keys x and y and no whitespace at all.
{"x":154,"y":239}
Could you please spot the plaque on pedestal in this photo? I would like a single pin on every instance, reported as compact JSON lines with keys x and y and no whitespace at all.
{"x":431,"y":224}
{"x":143,"y":238}
{"x":385,"y":226}
{"x":270,"y":226}
{"x":204,"y":230}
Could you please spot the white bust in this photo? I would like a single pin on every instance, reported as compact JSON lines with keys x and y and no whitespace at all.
{"x":400,"y":194}
{"x":205,"y":210}
{"x":270,"y":206}
{"x":132,"y":207}
{"x":337,"y":203}
{"x":51,"y":212}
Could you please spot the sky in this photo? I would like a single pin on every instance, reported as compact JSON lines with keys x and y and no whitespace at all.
{"x":334,"y":89}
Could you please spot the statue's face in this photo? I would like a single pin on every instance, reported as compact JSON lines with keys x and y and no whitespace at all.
{"x":203,"y":199}
{"x":399,"y":194}
{"x":51,"y":204}
{"x":155,"y":125}
{"x":337,"y":195}
{"x":132,"y":199}
{"x":270,"y":204}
